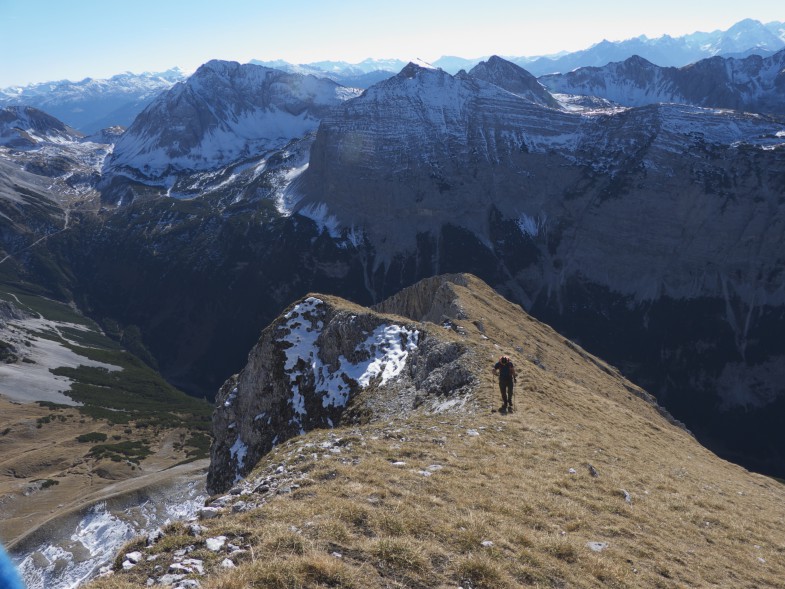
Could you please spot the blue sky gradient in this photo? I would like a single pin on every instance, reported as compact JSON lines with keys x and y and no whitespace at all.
{"x":45,"y":40}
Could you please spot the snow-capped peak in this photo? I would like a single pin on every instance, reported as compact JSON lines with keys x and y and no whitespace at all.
{"x":24,"y":127}
{"x":224,"y":112}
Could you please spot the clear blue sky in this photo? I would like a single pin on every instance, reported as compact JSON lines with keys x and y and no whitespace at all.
{"x":43,"y":40}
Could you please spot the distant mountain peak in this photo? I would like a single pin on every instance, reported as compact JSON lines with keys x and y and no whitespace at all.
{"x":750,"y":84}
{"x":638,"y":61}
{"x":513,"y":78}
{"x":24,"y":127}
{"x":223,"y":112}
{"x":413,"y":68}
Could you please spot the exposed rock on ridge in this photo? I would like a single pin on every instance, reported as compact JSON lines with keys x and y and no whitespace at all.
{"x":513,"y":78}
{"x":321,"y":363}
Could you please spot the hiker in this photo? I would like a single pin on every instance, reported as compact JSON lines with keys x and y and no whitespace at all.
{"x":505,"y":370}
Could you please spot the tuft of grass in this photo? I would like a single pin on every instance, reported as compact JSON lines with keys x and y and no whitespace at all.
{"x":481,"y":572}
{"x":399,"y":554}
{"x":132,"y":451}
{"x":563,"y":550}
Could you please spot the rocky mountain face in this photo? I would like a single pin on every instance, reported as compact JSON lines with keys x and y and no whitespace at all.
{"x":513,"y":78}
{"x":469,"y":129}
{"x":225,"y":112}
{"x":753,"y":84}
{"x":325,"y":362}
{"x":90,"y":105}
{"x":662,"y":212}
{"x":26,"y":127}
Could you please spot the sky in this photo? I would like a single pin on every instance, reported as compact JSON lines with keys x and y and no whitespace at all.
{"x":46,"y":40}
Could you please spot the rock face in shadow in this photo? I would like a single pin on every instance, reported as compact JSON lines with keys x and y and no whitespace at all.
{"x":754,"y":83}
{"x":323,"y":362}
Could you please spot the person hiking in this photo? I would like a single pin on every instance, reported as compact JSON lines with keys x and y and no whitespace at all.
{"x":505,"y":370}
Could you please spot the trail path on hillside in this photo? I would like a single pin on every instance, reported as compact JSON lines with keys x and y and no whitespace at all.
{"x":40,"y":239}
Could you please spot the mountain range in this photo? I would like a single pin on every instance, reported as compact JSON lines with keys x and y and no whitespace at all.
{"x":754,"y":84}
{"x":638,"y":209}
{"x":747,"y":37}
{"x":649,"y":234}
{"x":91,"y":104}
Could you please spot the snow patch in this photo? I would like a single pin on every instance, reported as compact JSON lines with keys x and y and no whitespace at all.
{"x":384,"y":354}
{"x":532,"y":226}
{"x":34,"y":381}
{"x":67,"y":559}
{"x":238,"y":451}
{"x":320,"y":214}
{"x":231,"y":398}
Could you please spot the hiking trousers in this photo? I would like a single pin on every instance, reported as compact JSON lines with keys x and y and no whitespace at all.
{"x":505,"y":386}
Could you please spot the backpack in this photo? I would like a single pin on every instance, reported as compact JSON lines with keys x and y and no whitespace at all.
{"x":505,"y":370}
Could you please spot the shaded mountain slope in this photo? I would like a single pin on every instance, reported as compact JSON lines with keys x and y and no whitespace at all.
{"x":585,"y":485}
{"x":755,"y":83}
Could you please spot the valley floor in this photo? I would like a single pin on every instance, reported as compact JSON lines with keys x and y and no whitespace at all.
{"x":46,"y":473}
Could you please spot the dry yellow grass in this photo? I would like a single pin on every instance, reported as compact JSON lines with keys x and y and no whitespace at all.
{"x":502,"y":508}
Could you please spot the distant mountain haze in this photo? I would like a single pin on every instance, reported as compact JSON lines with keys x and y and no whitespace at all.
{"x":92,"y":104}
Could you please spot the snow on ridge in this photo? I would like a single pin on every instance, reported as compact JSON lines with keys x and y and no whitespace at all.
{"x":385,"y":350}
{"x":239,"y":451}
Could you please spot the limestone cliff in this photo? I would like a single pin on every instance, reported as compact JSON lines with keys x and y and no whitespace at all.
{"x":311,"y":369}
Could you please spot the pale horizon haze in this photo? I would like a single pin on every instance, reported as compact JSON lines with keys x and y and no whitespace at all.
{"x":49,"y":40}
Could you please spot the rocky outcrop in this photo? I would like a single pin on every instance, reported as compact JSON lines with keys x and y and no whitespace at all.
{"x":513,"y":78}
{"x":324,"y":362}
{"x":432,"y":299}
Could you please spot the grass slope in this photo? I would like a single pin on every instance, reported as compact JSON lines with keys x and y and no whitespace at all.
{"x":477,"y":499}
{"x":131,"y":424}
